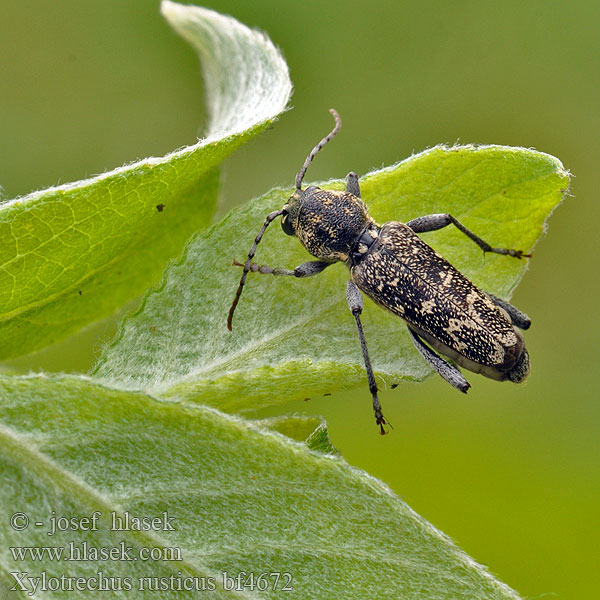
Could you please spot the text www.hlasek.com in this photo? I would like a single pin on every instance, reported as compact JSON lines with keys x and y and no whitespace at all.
{"x":85,"y":552}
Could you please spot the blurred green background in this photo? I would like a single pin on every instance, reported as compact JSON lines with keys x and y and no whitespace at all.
{"x":512,"y":473}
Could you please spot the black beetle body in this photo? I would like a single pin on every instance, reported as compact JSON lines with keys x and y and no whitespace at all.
{"x":401,"y":273}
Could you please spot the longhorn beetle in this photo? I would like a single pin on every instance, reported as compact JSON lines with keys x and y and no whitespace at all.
{"x":397,"y":270}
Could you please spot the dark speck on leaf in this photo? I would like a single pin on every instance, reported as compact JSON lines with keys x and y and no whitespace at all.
{"x":160,"y":207}
{"x":394,"y":386}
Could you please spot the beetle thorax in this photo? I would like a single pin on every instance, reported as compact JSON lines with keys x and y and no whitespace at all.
{"x":328,"y":223}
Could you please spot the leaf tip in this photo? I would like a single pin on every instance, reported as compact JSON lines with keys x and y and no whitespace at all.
{"x":247,"y":79}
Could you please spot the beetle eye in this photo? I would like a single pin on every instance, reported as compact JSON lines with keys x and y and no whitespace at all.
{"x":286,"y":225}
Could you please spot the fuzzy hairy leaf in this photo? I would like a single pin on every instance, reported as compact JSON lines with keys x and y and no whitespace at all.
{"x":240,"y":498}
{"x":293,"y":338}
{"x":75,"y":253}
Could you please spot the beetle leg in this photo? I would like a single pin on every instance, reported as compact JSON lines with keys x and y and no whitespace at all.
{"x":355,"y":304}
{"x":434,"y":222}
{"x":257,"y":239}
{"x":517,"y":317}
{"x":307,"y":269}
{"x":352,"y":185}
{"x":447,"y":371}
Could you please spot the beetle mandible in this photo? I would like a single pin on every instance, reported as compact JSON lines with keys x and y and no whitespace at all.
{"x":443,"y":310}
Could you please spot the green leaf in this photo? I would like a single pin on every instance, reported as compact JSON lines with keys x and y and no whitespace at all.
{"x":295,"y":338}
{"x":76,"y":253}
{"x":240,"y":498}
{"x":312,"y":430}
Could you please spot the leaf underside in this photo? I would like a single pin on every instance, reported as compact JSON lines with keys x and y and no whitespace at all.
{"x":294,"y":338}
{"x":272,"y":505}
{"x":73,"y":254}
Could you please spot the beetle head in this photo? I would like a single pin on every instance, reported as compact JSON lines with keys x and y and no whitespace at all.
{"x":290,"y":217}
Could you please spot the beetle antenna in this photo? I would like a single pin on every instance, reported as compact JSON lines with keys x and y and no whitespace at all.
{"x":257,"y":239}
{"x":327,"y":138}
